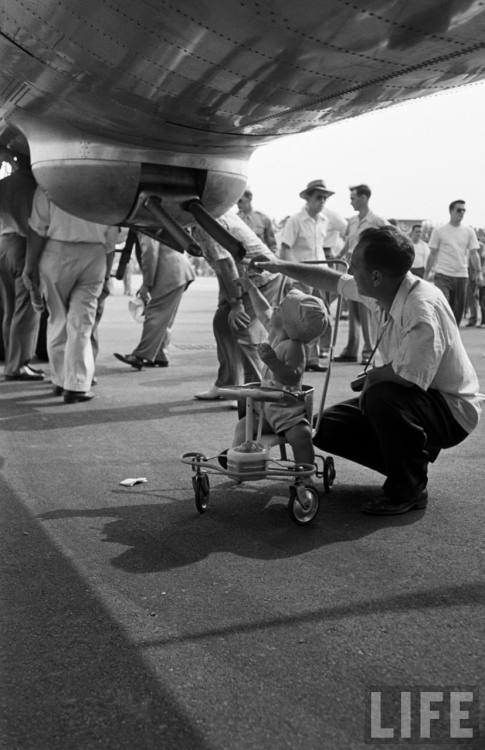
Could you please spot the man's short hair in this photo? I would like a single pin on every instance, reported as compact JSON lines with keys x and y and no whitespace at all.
{"x":247,"y":194}
{"x":416,"y":226}
{"x":453,"y":204}
{"x":387,"y":249}
{"x":361,"y":190}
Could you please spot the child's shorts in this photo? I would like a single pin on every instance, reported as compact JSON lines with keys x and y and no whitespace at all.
{"x":281,"y":417}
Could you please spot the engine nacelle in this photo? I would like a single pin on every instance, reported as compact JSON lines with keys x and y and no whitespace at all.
{"x":100,"y":181}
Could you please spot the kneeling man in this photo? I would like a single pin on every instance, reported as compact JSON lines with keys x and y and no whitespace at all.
{"x":425,"y":395}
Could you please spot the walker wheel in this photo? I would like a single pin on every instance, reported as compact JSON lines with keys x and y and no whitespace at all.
{"x":329,"y":473}
{"x":200,"y":483}
{"x":303,"y":504}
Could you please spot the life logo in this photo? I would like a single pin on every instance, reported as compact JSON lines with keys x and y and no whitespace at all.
{"x":422,"y":715}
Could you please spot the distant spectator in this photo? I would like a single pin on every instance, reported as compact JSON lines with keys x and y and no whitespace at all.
{"x":481,"y":286}
{"x":475,"y":298}
{"x":421,"y":251}
{"x":166,"y":275}
{"x":256,"y":220}
{"x":359,"y":316}
{"x":452,"y":248}
{"x":334,"y":237}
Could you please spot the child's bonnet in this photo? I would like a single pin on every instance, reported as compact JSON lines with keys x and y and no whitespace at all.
{"x":304,"y":316}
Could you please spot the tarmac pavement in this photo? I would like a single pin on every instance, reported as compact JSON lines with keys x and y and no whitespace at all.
{"x":130,"y":621}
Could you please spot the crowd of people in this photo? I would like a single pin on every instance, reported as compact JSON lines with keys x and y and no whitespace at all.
{"x":273,"y":319}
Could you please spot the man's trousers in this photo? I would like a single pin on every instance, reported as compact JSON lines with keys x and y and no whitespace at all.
{"x":20,"y":322}
{"x":71,"y":276}
{"x":159,"y":318}
{"x":455,"y":290}
{"x":396,"y":431}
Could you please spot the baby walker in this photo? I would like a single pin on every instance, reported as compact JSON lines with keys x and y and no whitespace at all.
{"x":251,"y":460}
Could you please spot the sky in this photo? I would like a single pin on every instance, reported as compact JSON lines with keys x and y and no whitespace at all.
{"x":416,"y":157}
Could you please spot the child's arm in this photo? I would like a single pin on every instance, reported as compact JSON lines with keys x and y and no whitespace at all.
{"x":262,"y":308}
{"x":289,"y":370}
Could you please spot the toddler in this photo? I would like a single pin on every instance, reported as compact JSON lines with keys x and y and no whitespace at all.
{"x":299,"y":319}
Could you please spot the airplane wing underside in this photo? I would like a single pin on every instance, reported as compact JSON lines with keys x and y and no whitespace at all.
{"x":118,"y":99}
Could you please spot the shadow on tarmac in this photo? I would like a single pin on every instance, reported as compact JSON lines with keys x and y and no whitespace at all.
{"x":437,"y":598}
{"x":69,"y":676}
{"x":250,"y":522}
{"x":158,"y":544}
{"x":77,"y":415}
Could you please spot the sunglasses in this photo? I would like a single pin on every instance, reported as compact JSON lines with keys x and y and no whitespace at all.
{"x":460,"y":210}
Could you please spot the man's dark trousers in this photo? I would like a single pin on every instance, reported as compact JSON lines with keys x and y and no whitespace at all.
{"x":393,"y":429}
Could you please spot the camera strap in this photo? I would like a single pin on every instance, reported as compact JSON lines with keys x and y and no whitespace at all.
{"x":383,"y":327}
{"x":379,"y":339}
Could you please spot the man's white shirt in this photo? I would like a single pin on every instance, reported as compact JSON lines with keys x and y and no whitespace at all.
{"x":421,"y":340}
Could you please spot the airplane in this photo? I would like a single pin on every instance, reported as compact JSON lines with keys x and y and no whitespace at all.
{"x":145,"y":114}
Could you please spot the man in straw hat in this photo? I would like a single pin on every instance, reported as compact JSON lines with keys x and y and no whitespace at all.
{"x":303,"y":239}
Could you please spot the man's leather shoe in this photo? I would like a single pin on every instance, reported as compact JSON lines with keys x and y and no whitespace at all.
{"x":25,"y":373}
{"x":388,"y":507}
{"x":130,"y":359}
{"x":155,"y":363}
{"x":72,"y":397}
{"x":316,"y":368}
{"x":57,"y":390}
{"x":345,"y":358}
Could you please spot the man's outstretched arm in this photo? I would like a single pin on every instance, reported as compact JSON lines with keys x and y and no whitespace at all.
{"x":319,"y":277}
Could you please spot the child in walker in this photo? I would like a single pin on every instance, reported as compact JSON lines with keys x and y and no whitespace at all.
{"x":299,"y":319}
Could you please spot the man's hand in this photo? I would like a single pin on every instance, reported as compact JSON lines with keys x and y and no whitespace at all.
{"x":31,"y":283}
{"x":28,"y":279}
{"x":238,"y":317}
{"x":36,"y":300}
{"x":263,"y":263}
{"x":144,"y":294}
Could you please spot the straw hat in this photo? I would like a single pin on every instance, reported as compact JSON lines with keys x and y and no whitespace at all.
{"x":318,"y":185}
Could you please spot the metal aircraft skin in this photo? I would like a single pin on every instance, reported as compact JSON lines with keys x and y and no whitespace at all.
{"x":115,"y":99}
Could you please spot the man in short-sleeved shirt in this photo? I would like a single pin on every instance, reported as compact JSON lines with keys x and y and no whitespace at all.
{"x":303,"y":236}
{"x":421,"y":251}
{"x":336,"y":229}
{"x":358,"y":316}
{"x":69,"y":255}
{"x":423,"y":398}
{"x":257,"y":221}
{"x":452,"y":247}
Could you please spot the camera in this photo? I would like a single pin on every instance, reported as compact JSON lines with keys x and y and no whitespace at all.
{"x":358,"y":383}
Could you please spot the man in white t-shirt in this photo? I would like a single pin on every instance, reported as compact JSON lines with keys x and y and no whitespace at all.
{"x":421,"y":250}
{"x":452,"y":248}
